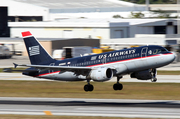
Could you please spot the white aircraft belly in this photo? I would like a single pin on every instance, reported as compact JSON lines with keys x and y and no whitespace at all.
{"x":66,"y":76}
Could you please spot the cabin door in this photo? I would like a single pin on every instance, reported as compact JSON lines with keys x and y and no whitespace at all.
{"x":144,"y":62}
{"x":144,"y":52}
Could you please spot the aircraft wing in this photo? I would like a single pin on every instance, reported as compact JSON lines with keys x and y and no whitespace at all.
{"x":56,"y":67}
{"x":76,"y":70}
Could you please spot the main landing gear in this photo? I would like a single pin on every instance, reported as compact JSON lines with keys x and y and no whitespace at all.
{"x":88,"y":87}
{"x":118,"y":86}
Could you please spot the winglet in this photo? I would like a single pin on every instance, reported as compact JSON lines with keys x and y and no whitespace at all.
{"x":26,"y":33}
{"x":15,"y":65}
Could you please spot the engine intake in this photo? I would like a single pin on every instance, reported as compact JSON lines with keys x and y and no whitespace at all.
{"x":101,"y":74}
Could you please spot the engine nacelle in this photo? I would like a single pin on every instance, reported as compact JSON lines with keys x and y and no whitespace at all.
{"x":101,"y":74}
{"x":142,"y":75}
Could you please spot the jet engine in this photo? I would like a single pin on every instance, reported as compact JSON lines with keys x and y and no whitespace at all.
{"x":101,"y":74}
{"x":142,"y":75}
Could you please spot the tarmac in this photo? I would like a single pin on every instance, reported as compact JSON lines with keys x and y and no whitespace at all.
{"x":129,"y":108}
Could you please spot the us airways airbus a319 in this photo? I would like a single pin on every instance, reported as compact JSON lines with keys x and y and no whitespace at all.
{"x":138,"y":62}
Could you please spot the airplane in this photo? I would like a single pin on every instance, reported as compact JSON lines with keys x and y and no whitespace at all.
{"x":139,"y":62}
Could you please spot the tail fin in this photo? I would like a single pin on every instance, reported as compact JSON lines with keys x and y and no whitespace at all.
{"x":37,"y":54}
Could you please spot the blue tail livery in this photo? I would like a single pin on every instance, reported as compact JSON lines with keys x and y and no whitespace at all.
{"x":37,"y":54}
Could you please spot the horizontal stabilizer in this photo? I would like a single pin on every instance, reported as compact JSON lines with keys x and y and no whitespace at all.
{"x":11,"y":70}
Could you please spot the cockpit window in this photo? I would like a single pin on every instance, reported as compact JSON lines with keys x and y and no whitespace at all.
{"x":158,"y":51}
{"x":164,"y":50}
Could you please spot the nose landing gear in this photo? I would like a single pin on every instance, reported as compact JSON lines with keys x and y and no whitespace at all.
{"x":154,"y":73}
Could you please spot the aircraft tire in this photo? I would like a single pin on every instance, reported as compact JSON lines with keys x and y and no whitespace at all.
{"x":118,"y":86}
{"x":154,"y":80}
{"x":91,"y":87}
{"x":88,"y":87}
{"x":115,"y":86}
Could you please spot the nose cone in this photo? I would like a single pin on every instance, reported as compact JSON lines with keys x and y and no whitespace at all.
{"x":172,"y":57}
{"x":167,"y":59}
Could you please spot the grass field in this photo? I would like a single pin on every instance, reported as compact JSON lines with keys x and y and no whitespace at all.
{"x":168,"y":72}
{"x":160,"y":91}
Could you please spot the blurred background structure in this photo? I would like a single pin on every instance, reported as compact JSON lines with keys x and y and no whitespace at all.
{"x":117,"y":24}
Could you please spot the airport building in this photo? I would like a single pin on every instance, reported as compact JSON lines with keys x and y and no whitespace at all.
{"x":103,"y":29}
{"x":73,"y":28}
{"x":81,"y":19}
{"x":45,"y":10}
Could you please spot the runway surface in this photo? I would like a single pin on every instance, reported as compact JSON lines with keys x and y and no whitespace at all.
{"x":90,"y":107}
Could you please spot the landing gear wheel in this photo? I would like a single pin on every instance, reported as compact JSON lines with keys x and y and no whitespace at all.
{"x":115,"y":86}
{"x":91,"y":87}
{"x":88,"y":87}
{"x":118,"y":86}
{"x":154,"y":79}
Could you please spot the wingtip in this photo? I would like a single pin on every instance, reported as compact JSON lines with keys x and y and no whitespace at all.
{"x":26,"y":33}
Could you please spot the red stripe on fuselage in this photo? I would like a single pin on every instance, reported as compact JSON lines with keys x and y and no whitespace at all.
{"x":129,"y":59}
{"x":47,"y":73}
{"x":109,"y":63}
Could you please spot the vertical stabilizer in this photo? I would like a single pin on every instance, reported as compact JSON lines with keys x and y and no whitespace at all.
{"x":37,"y":54}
